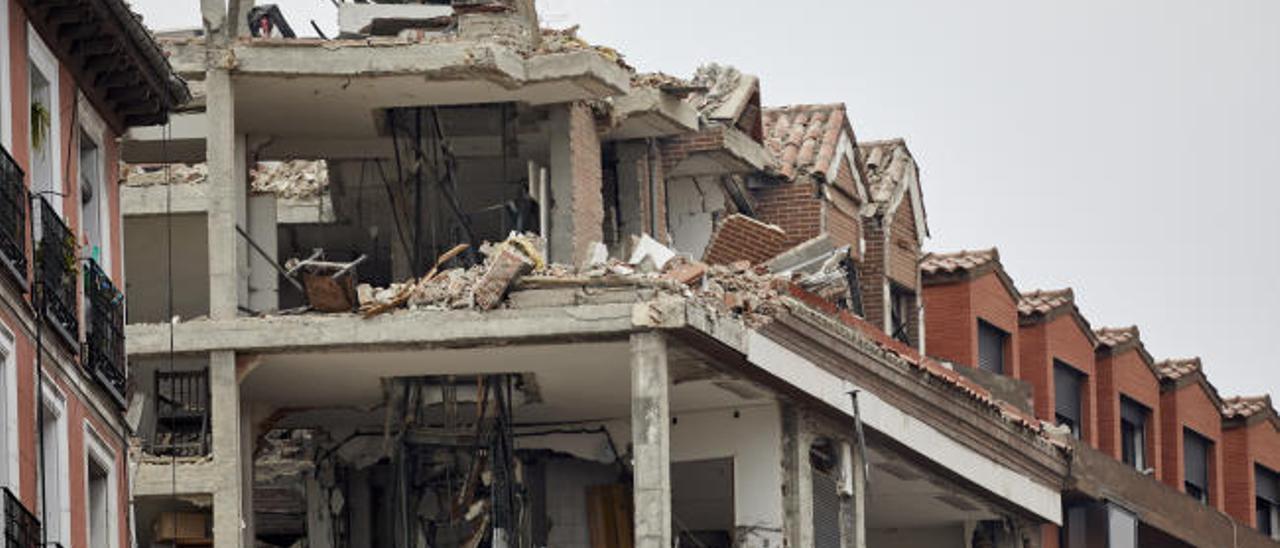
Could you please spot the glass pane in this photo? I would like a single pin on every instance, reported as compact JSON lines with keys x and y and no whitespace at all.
{"x":1122,"y":529}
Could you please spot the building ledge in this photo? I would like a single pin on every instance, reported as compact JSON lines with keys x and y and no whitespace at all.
{"x":648,"y":112}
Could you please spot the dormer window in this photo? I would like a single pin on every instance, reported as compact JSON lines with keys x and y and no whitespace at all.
{"x":902,"y":314}
{"x":1133,"y":433}
{"x":1068,"y":407}
{"x":991,"y":348}
{"x":1267,"y":498}
{"x":1196,"y":459}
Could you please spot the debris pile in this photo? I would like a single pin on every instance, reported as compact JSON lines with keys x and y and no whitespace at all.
{"x":739,"y":288}
{"x":291,"y":179}
{"x":567,"y":40}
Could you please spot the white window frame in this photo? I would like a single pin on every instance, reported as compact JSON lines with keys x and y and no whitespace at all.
{"x":39,"y":54}
{"x":6,"y":81}
{"x":96,"y":450}
{"x":57,"y":402}
{"x":9,"y":457}
{"x":91,"y":124}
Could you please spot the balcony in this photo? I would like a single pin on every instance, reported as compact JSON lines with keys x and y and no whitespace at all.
{"x":21,"y":529}
{"x":56,"y":273}
{"x":103,"y":352}
{"x":13,"y":220}
{"x":182,"y":414}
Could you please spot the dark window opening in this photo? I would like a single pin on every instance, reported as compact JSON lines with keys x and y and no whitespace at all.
{"x":1196,"y":462}
{"x":1133,"y":433}
{"x":1268,"y":501}
{"x":991,"y":347}
{"x":1068,"y":396}
{"x":902,"y":308}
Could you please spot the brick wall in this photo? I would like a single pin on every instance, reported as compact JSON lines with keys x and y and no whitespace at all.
{"x":1127,"y":374}
{"x":795,"y":207}
{"x":742,"y":238}
{"x":871,"y":272}
{"x":952,"y":312}
{"x":1191,"y":407}
{"x":904,"y":247}
{"x":1244,"y":447}
{"x":1060,"y":338}
{"x":950,"y":327}
{"x":840,"y":215}
{"x":588,"y":204}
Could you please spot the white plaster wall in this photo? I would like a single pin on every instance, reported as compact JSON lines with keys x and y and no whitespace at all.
{"x":692,"y":206}
{"x":567,"y":483}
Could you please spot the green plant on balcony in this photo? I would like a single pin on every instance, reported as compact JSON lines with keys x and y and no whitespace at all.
{"x":41,"y":122}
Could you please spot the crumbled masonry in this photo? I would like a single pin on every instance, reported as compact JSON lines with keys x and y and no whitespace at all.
{"x":292,"y":179}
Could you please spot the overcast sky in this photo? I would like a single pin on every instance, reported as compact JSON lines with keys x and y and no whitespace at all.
{"x":1129,"y":150}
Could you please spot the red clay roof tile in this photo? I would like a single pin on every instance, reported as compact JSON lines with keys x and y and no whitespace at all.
{"x":804,"y":138}
{"x":1177,"y":368}
{"x":959,"y":261}
{"x":1041,"y":302}
{"x":1116,"y":336}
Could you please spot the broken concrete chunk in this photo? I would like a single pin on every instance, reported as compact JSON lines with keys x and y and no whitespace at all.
{"x":365,"y":292}
{"x":649,"y":247}
{"x":505,"y":266}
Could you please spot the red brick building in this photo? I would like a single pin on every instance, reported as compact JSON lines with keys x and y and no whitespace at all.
{"x":76,"y":75}
{"x":895,"y":231}
{"x":1191,"y":424}
{"x":1057,"y":358}
{"x":1251,"y":462}
{"x":1128,"y":394}
{"x":971,"y":309}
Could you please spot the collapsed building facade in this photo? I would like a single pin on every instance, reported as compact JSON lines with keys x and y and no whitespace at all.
{"x":450,"y":279}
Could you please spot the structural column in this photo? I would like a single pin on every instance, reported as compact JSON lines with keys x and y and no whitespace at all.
{"x":651,"y":440}
{"x":577,"y":206}
{"x":232,"y":510}
{"x":797,"y":501}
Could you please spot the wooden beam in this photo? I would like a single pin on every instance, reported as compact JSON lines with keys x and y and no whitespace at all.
{"x":129,"y":94}
{"x":98,"y":45}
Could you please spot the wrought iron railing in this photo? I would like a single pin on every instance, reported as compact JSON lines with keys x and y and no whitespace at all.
{"x":56,"y":265}
{"x":103,"y":354}
{"x":13,"y":219}
{"x":182,"y":413}
{"x":21,"y":528}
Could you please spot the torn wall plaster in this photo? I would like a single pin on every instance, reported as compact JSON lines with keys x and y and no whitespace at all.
{"x":693,"y":206}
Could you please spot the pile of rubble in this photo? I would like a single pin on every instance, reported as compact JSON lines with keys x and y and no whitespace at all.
{"x":741,"y":288}
{"x":567,"y":40}
{"x":291,"y":179}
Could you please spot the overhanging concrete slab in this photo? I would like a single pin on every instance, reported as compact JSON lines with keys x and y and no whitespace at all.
{"x":139,"y":201}
{"x":404,"y":329}
{"x":650,"y":112}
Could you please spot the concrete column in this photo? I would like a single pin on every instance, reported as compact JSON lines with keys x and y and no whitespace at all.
{"x":797,"y":525}
{"x":855,"y":505}
{"x":228,"y":274}
{"x":232,"y":501}
{"x":264,"y":290}
{"x":577,"y":207}
{"x":651,"y":440}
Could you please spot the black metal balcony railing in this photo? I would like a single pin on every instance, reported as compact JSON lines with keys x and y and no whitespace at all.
{"x":182,"y":413}
{"x":103,"y":354}
{"x":56,"y":263}
{"x":21,"y":528}
{"x":13,"y":219}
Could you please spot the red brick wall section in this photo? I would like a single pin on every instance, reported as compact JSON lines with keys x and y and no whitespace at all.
{"x":588,"y":203}
{"x":1190,"y":407}
{"x":1245,"y":447}
{"x":950,"y":327}
{"x":795,"y":207}
{"x":1069,"y":343}
{"x":1033,"y":353}
{"x":992,"y":303}
{"x":871,"y":272}
{"x":742,"y":238}
{"x":1126,"y":374}
{"x":904,"y":247}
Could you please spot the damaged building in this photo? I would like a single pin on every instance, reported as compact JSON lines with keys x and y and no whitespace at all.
{"x":450,"y":279}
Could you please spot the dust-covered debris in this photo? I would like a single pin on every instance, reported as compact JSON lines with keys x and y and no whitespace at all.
{"x":567,"y":40}
{"x":291,"y":179}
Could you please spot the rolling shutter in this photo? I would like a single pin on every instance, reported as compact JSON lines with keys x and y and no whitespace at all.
{"x":826,"y":511}
{"x":990,"y":348}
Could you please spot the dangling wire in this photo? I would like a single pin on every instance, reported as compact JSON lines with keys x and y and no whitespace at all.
{"x":168,"y":282}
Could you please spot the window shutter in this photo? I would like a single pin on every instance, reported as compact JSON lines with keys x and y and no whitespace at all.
{"x":1066,"y":384}
{"x":1195,"y":450}
{"x":1133,"y":412}
{"x":826,"y":511}
{"x":1268,"y":485}
{"x":990,"y":348}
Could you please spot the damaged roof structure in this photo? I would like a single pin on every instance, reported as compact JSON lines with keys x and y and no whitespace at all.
{"x":486,"y":285}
